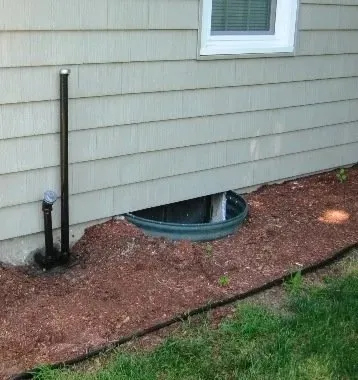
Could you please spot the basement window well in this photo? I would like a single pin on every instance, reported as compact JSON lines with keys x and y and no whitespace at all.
{"x":200,"y":219}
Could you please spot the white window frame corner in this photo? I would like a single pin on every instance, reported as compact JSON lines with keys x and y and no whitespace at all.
{"x":282,"y":41}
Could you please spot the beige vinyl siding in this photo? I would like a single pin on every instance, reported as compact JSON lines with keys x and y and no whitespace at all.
{"x":328,"y":17}
{"x":80,"y":15}
{"x":40,"y":48}
{"x":106,"y":15}
{"x":25,"y":84}
{"x":150,"y":124}
{"x":327,"y":42}
{"x":113,"y":172}
{"x":57,"y":48}
{"x":98,"y":112}
{"x":97,"y":204}
{"x":95,"y":144}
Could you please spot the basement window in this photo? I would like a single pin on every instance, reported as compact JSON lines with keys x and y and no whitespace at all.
{"x":248,"y":26}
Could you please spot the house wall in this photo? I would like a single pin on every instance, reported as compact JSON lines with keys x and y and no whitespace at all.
{"x":150,"y":123}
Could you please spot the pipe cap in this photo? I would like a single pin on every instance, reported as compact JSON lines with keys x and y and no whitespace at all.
{"x":65,"y":71}
{"x":50,"y":197}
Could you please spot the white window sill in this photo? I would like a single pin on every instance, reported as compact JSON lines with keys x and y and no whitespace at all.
{"x":222,"y":56}
{"x":255,"y":44}
{"x":235,"y":50}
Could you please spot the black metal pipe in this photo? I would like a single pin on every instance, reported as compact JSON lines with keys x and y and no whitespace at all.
{"x":47,"y":210}
{"x":65,"y":225}
{"x":48,"y":258}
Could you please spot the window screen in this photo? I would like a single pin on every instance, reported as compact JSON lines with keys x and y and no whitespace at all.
{"x":242,"y":16}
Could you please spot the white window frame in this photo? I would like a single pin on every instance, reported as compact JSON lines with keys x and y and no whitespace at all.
{"x":281,"y":41}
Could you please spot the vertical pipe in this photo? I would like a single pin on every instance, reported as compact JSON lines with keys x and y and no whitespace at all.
{"x":46,"y":208}
{"x":48,"y":258}
{"x":50,"y":198}
{"x":65,"y":227}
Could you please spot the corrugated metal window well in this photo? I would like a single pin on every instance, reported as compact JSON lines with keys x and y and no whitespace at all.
{"x":199,"y":219}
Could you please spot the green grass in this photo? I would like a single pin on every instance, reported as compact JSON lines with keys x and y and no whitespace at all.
{"x":315,"y":338}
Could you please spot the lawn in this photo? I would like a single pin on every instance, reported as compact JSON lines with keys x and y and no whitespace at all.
{"x":313,"y":335}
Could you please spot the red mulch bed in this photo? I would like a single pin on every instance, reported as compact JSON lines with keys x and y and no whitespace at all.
{"x":124,"y":281}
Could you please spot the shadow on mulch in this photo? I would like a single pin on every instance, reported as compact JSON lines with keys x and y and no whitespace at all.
{"x":124,"y":281}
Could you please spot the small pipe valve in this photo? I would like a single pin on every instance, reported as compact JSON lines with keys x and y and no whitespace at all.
{"x":50,"y":197}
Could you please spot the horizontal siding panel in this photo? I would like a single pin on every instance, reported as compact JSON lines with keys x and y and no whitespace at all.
{"x":27,"y":219}
{"x":102,"y":143}
{"x":115,"y":141}
{"x":119,"y":15}
{"x":148,"y":14}
{"x":113,"y":172}
{"x":142,"y":167}
{"x":230,"y":100}
{"x":169,"y":14}
{"x":327,"y":42}
{"x":42,"y":118}
{"x":328,"y":17}
{"x":131,"y":14}
{"x":279,"y":168}
{"x":167,"y":76}
{"x":29,"y":119}
{"x":21,"y":220}
{"x":52,"y":14}
{"x":25,"y":187}
{"x":15,"y":153}
{"x":42,"y":83}
{"x":165,"y":190}
{"x":76,"y":47}
{"x":98,"y":14}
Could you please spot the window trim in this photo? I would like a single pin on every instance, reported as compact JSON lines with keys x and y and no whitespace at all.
{"x":282,"y":41}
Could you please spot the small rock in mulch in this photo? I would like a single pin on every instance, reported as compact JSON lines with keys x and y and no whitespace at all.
{"x":125,"y":281}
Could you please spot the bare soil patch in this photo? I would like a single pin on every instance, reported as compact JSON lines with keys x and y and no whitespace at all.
{"x":124,"y":281}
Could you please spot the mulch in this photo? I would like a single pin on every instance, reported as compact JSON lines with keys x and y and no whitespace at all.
{"x":123,"y":281}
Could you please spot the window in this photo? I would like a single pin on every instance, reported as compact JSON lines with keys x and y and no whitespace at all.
{"x":248,"y":26}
